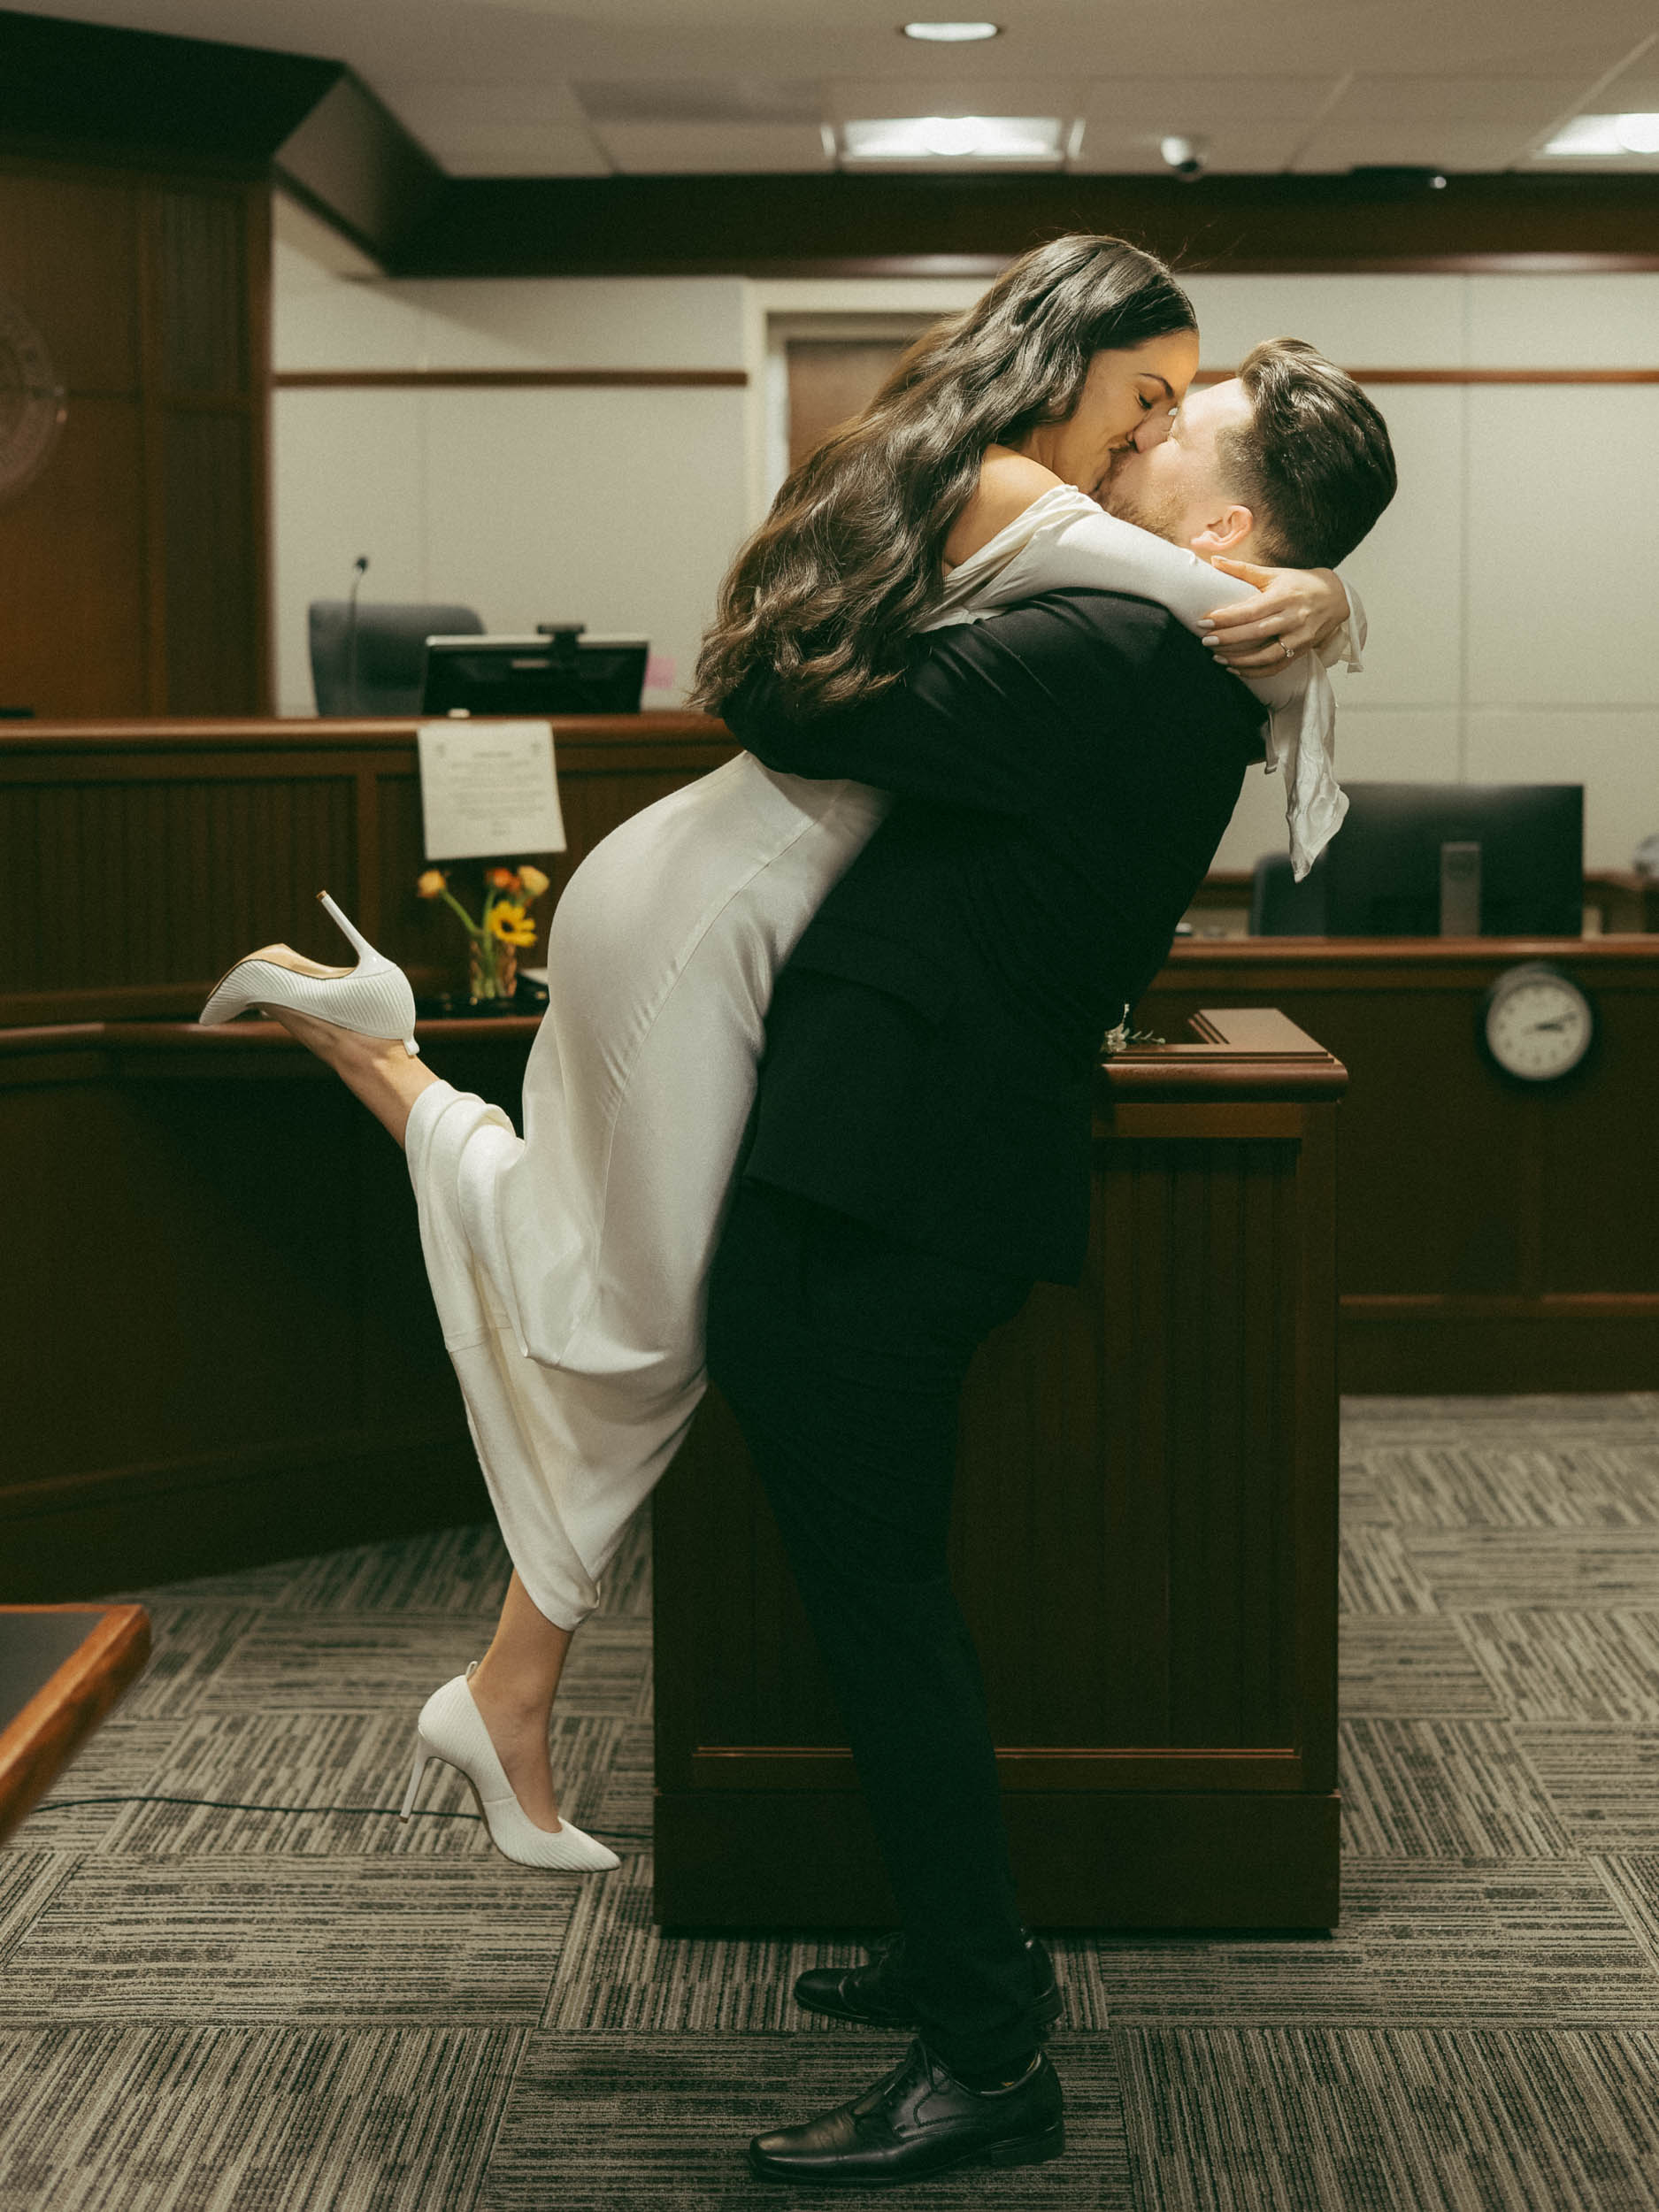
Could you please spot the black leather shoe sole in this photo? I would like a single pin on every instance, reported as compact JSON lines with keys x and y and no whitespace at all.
{"x":1022,"y":2150}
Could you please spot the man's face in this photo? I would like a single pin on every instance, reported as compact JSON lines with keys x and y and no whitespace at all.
{"x":1172,"y":483}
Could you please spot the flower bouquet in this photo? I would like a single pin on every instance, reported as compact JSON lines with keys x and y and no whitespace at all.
{"x":495,"y":941}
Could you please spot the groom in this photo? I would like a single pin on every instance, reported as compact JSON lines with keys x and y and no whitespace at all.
{"x":920,"y":1154}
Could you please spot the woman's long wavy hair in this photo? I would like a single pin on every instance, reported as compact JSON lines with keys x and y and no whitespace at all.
{"x":847,"y":564}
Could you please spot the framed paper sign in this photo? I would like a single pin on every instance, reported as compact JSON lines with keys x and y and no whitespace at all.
{"x":489,"y":788}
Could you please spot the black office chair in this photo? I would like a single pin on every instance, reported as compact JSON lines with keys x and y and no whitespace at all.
{"x":1280,"y":906}
{"x":382,"y":668}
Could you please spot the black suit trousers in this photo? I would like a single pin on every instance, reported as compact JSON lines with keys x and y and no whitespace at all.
{"x":842,"y":1353}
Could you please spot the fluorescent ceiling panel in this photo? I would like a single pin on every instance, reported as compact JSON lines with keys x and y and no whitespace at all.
{"x":1609,"y":136}
{"x":1013,"y":138}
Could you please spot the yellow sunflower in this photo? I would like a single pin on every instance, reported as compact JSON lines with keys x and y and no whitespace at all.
{"x":512,"y":925}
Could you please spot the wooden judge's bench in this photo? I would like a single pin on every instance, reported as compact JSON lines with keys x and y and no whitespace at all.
{"x":1144,"y":1541}
{"x":220,"y":1347}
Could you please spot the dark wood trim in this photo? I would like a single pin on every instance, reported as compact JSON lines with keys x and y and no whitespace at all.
{"x":748,"y":1766}
{"x":903,"y":224}
{"x":416,"y":380}
{"x":91,"y":92}
{"x":283,"y":736}
{"x":42,"y":1739}
{"x":1180,"y":1859}
{"x":488,"y":380}
{"x":1476,"y":376}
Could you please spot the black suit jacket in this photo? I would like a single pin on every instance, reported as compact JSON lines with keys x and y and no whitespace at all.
{"x":1063,"y":771}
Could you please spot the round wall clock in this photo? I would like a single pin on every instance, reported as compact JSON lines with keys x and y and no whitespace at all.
{"x":1536,"y":1023}
{"x":31,"y":401}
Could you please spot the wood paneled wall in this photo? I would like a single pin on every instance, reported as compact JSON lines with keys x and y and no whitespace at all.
{"x":181,"y":846}
{"x":136,"y":563}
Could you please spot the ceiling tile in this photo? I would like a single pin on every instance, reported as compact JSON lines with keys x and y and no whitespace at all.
{"x":1447,"y":145}
{"x":1117,"y":149}
{"x":846,"y":99}
{"x":517,"y":150}
{"x":1194,"y":104}
{"x":1428,"y":99}
{"x":720,"y":149}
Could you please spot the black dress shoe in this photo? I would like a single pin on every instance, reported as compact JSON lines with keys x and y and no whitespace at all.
{"x":917,"y":2120}
{"x":875,"y":1993}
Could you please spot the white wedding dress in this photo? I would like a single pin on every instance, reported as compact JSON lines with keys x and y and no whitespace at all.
{"x":568,"y":1266}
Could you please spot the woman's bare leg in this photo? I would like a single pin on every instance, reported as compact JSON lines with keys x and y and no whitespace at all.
{"x":385,"y":1077}
{"x":518,"y":1676}
{"x":514,"y":1688}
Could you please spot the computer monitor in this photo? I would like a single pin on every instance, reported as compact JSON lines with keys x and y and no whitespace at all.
{"x":1435,"y":859}
{"x":534,"y":675}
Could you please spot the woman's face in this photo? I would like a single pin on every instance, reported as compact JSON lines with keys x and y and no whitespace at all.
{"x":1128,"y":399}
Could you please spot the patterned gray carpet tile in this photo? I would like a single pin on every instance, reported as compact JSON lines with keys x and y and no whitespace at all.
{"x":1630,"y":1415}
{"x":1400,"y":1667}
{"x":1631,"y":1880}
{"x":1602,"y":1782}
{"x":608,"y":1670}
{"x":462,"y":1571}
{"x":191,"y":1641}
{"x":325,"y":1763}
{"x":1555,"y":1486}
{"x":29,"y":1880}
{"x":1375,"y":1572}
{"x":241,"y":1585}
{"x":120,"y":2117}
{"x":615,"y":1800}
{"x":1588,"y":1667}
{"x":1434,"y":1789}
{"x":271,"y":1939}
{"x":661,"y":2123}
{"x":618,"y":1974}
{"x":1532,"y":1945}
{"x":348,"y":1662}
{"x":1494,"y":1569}
{"x":1291,"y":2119}
{"x":121,"y":1757}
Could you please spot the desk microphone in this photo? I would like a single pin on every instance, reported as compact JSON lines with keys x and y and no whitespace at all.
{"x":357,"y":568}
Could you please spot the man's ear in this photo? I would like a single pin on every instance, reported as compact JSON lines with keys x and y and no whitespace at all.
{"x":1228,"y":533}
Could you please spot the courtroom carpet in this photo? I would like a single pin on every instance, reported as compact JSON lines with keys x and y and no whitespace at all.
{"x":322,"y":2010}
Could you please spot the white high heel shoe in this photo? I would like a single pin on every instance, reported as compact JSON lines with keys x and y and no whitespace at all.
{"x":373,"y":997}
{"x":451,"y":1727}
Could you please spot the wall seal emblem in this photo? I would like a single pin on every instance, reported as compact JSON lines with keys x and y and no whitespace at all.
{"x":32,"y":407}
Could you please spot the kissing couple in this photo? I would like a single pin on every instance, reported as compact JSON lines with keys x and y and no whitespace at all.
{"x":808,"y":1110}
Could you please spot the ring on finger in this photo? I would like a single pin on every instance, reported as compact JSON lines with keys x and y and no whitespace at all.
{"x":1285,"y":650}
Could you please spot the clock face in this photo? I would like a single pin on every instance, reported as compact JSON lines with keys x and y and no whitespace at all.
{"x":1539,"y":1023}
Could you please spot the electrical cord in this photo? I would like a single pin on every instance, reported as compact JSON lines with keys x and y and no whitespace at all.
{"x":223,"y":1805}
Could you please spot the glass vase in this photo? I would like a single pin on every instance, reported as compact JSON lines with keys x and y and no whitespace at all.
{"x":492,"y":969}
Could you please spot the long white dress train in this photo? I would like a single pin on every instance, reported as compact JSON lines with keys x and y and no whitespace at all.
{"x":568,"y":1266}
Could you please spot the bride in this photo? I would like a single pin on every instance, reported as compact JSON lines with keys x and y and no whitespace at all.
{"x":568,"y":1266}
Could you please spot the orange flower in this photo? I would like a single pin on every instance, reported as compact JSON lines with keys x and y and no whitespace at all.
{"x":432,"y":885}
{"x":500,"y":879}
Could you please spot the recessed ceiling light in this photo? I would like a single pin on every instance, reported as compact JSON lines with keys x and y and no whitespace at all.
{"x":1030,"y":138}
{"x":951,"y":34}
{"x":1605,"y":137}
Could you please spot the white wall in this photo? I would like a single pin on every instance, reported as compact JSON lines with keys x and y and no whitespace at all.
{"x":1510,"y":586}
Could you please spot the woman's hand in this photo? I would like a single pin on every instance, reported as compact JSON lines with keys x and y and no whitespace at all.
{"x":1290,"y":610}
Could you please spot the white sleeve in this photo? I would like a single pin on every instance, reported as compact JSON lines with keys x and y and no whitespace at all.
{"x":1346,"y":643}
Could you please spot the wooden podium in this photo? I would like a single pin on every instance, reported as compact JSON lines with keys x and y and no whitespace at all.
{"x":1144,"y":1542}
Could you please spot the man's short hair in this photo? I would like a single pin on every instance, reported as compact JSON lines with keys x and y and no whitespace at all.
{"x":1314,"y":464}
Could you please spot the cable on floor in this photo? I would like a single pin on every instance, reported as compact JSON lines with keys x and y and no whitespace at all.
{"x":224,"y":1805}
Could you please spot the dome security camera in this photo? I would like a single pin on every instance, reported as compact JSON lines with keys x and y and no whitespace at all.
{"x":1189,"y":157}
